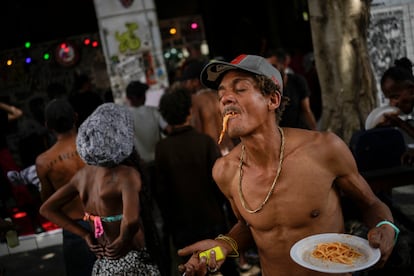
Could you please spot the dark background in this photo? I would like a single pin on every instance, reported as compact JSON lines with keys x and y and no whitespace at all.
{"x":44,"y":20}
{"x":245,"y":26}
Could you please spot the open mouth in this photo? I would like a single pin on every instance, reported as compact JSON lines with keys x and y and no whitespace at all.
{"x":230,"y":113}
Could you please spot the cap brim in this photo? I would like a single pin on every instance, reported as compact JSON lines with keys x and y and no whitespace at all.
{"x":213,"y":72}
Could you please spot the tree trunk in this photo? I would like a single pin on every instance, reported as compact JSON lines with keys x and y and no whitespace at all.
{"x":339,"y":34}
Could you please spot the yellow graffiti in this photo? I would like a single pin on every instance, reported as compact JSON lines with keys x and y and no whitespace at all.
{"x":128,"y":40}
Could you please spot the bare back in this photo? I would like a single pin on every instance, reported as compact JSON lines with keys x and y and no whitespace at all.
{"x":300,"y":205}
{"x":109,"y":192}
{"x":55,"y":167}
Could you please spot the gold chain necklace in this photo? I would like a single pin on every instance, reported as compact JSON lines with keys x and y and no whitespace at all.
{"x":242,"y":199}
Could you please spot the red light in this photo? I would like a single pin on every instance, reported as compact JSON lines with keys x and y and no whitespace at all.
{"x":194,"y":25}
{"x":86,"y":41}
{"x":49,"y":226}
{"x":95,"y":44}
{"x":19,"y":215}
{"x":65,"y":47}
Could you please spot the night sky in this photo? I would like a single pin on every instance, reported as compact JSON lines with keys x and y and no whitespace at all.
{"x":44,"y":20}
{"x":242,"y":27}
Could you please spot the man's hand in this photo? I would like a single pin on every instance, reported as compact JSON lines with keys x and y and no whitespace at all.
{"x":388,"y":119}
{"x":383,"y":238}
{"x":199,"y":266}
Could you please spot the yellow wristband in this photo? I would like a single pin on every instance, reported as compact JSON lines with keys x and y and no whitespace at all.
{"x":397,"y":231}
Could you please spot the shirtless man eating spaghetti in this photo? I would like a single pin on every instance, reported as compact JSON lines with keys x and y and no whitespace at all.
{"x":283,"y":184}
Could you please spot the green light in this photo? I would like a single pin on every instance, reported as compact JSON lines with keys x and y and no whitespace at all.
{"x":305,"y":16}
{"x":27,"y":44}
{"x":46,"y":56}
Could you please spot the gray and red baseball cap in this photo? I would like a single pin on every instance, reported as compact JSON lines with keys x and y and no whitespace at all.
{"x":213,"y":72}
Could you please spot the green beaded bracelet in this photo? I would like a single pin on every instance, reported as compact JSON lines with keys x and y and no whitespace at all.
{"x":397,"y":231}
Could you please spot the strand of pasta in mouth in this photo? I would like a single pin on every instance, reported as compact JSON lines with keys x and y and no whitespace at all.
{"x":224,"y":127}
{"x":336,"y":252}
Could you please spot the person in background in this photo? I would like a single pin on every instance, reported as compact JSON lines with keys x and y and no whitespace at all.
{"x":206,"y":118}
{"x":312,"y":79}
{"x":55,"y":167}
{"x":26,"y":176}
{"x":8,"y":114}
{"x":14,"y":196}
{"x":191,"y":203}
{"x":110,"y":188}
{"x":149,"y":128}
{"x":84,"y":99}
{"x":35,"y":138}
{"x":298,"y":112}
{"x":13,"y":113}
{"x":397,"y":85}
{"x":284,"y":184}
{"x":149,"y":125}
{"x":205,"y":113}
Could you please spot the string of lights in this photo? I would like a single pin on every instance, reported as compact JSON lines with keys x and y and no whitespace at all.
{"x":58,"y":50}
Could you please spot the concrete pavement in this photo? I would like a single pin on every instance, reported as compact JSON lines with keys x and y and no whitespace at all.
{"x":46,"y":261}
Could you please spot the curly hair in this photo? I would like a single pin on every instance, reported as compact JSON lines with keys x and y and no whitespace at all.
{"x":400,"y":72}
{"x":404,"y":62}
{"x":175,"y":105}
{"x":59,"y":115}
{"x":268,"y":87}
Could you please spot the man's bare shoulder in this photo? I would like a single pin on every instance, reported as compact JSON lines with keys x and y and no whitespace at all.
{"x":226,"y":166}
{"x":322,"y":147}
{"x":43,"y":159}
{"x":59,"y":163}
{"x":304,"y":138}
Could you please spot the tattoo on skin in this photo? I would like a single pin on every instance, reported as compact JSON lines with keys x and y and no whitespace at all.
{"x":62,"y":157}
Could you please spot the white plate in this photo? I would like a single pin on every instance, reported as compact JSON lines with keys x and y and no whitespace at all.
{"x":301,"y":253}
{"x":376,"y":115}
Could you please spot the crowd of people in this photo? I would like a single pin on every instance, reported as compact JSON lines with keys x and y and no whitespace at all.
{"x":141,"y":190}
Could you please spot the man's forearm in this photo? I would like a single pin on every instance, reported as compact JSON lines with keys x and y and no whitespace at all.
{"x":12,"y":111}
{"x":404,"y":125}
{"x":376,"y":213}
{"x":242,"y":235}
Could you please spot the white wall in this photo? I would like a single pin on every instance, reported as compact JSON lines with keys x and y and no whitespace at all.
{"x":132,"y":45}
{"x":390,"y":35}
